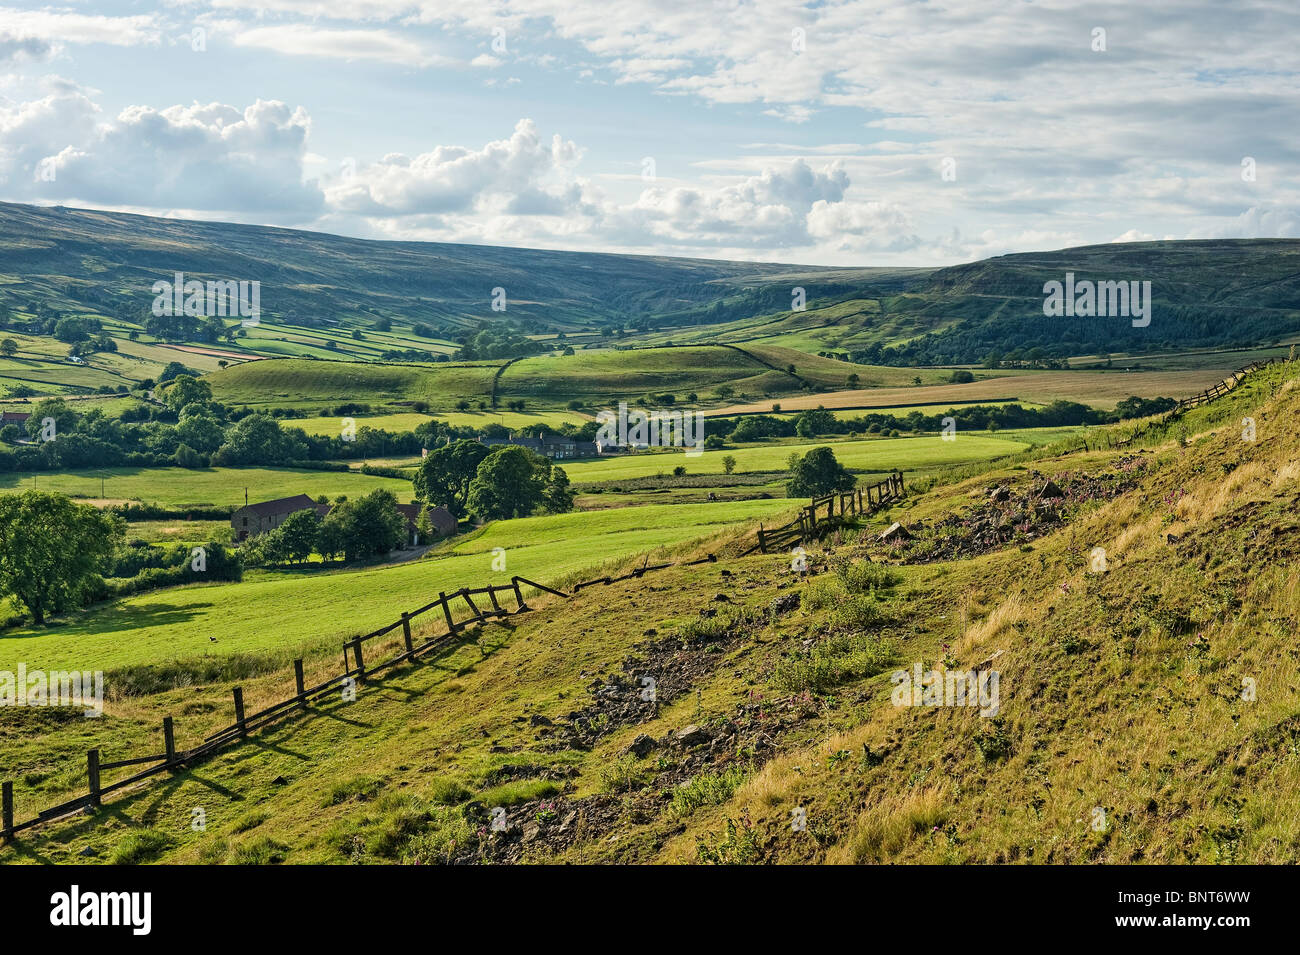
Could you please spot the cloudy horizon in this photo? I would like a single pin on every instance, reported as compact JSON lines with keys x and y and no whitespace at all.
{"x":836,"y":133}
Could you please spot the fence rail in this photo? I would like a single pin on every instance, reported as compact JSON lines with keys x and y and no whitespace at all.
{"x":355,"y":671}
{"x":1108,"y":442}
{"x":855,"y":501}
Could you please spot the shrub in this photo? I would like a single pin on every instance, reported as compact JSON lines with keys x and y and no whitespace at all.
{"x":621,"y":775}
{"x":707,"y":789}
{"x":836,"y":660}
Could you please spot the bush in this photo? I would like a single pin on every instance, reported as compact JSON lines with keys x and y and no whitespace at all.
{"x":707,"y":789}
{"x":836,"y":660}
{"x":621,"y":775}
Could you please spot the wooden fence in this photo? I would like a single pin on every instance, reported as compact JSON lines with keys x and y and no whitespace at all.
{"x":356,"y":670}
{"x":855,"y":501}
{"x":1107,"y":440}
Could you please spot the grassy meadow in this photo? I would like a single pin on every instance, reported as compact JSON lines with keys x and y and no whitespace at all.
{"x":288,"y":612}
{"x":202,"y":487}
{"x":874,"y":454}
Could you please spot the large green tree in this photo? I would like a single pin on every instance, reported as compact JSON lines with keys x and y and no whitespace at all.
{"x":818,"y":473}
{"x":257,"y":439}
{"x":298,"y":534}
{"x":514,"y":482}
{"x":444,"y":477}
{"x":52,"y":550}
{"x":369,"y":526}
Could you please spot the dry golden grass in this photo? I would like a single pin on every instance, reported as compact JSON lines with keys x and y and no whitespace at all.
{"x":886,"y":828}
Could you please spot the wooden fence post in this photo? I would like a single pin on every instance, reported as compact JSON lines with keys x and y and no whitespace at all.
{"x":92,"y":774}
{"x":361,"y":663}
{"x":6,"y":811}
{"x":169,"y":739}
{"x":239,"y":710}
{"x":406,"y":631}
{"x":299,"y":684}
{"x":446,"y":610}
{"x":492,"y":596}
{"x":478,"y":614}
{"x":519,"y":595}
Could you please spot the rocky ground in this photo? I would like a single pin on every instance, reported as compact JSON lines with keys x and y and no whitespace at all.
{"x":675,"y":663}
{"x":1007,"y":515}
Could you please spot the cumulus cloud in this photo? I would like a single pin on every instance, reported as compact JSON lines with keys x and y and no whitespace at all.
{"x":1051,"y":140}
{"x":524,"y":174}
{"x":211,"y":157}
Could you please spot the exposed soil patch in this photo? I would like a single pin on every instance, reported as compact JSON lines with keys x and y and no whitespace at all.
{"x":676,"y":663}
{"x":1007,"y":515}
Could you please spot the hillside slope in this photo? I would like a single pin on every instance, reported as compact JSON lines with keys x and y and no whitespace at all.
{"x":1206,"y":293}
{"x":75,"y":260}
{"x":1147,"y":706}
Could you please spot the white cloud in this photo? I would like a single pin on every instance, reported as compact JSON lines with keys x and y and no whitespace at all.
{"x":56,"y":27}
{"x":209,"y":157}
{"x":299,"y":40}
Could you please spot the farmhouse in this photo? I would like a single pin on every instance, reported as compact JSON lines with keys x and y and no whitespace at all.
{"x":554,"y":446}
{"x":443,"y":523}
{"x":13,"y":417}
{"x":253,"y":519}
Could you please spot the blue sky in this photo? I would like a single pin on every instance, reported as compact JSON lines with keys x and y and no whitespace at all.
{"x":779,"y":131}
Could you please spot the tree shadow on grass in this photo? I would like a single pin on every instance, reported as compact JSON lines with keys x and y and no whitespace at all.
{"x":109,"y":620}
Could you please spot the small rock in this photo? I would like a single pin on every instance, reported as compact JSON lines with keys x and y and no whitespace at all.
{"x":641,"y":746}
{"x":896,"y":532}
{"x":279,"y":781}
{"x":722,"y":598}
{"x":1172,"y":538}
{"x":692,"y":736}
{"x":726,"y":573}
{"x":88,"y":851}
{"x":785,"y":603}
{"x":1000,"y":494}
{"x":1051,"y":490}
{"x":537,"y":719}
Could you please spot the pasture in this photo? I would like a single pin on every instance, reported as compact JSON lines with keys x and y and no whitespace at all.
{"x":875,"y":454}
{"x":1101,"y":389}
{"x":294,"y":612}
{"x":202,"y":487}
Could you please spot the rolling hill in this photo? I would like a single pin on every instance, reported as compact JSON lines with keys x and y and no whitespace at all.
{"x":81,"y":261}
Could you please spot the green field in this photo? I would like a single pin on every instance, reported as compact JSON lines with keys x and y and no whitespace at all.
{"x":203,"y":487}
{"x":306,"y":611}
{"x":409,"y":420}
{"x":600,"y":377}
{"x":309,"y":384}
{"x":510,"y":419}
{"x":876,"y":454}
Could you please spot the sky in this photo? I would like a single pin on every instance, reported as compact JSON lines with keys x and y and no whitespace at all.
{"x":828,"y":133}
